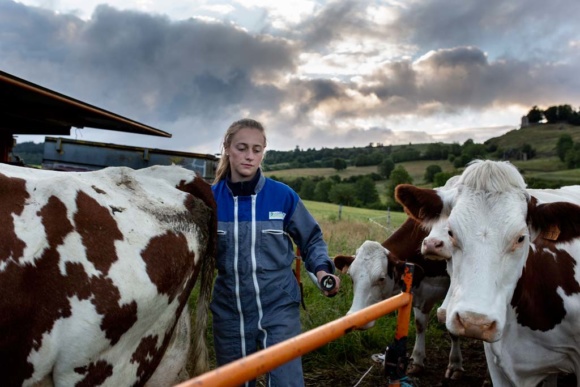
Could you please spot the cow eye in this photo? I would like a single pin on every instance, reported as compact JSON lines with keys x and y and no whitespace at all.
{"x":521,"y":238}
{"x":450,"y":233}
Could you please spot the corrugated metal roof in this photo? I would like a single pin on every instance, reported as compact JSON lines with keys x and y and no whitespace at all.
{"x":27,"y":108}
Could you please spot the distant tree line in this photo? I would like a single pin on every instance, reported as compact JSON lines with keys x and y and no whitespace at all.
{"x":554,"y":114}
{"x":356,"y":191}
{"x":385,"y":157}
{"x":568,"y":151}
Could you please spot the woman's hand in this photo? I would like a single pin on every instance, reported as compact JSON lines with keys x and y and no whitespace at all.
{"x":329,"y":283}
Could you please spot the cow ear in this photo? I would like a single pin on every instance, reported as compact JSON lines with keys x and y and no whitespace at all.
{"x":558,"y":222}
{"x":423,"y":205}
{"x":343,"y":262}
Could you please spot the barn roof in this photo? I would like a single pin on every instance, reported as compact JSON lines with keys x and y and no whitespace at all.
{"x":27,"y":108}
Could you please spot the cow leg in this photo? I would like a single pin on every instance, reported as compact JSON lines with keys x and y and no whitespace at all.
{"x":417,"y":364}
{"x":442,"y":310}
{"x":455,"y":368}
{"x":172,"y":369}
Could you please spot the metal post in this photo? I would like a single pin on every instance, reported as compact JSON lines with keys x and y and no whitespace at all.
{"x":396,"y":354}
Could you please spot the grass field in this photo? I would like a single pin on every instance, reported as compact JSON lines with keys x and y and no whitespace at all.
{"x":333,"y":212}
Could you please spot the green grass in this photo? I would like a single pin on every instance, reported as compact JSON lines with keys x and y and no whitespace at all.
{"x":333,"y":212}
{"x":323,"y":172}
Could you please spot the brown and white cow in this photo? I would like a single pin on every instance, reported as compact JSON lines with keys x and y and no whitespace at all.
{"x":515,"y":279}
{"x":375,"y":271}
{"x":96,"y":269}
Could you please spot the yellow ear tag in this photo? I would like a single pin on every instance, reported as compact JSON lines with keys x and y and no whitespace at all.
{"x":552,"y":234}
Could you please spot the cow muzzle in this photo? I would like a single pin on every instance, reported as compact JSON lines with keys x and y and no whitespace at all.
{"x":474,"y":325}
{"x":434,"y":249}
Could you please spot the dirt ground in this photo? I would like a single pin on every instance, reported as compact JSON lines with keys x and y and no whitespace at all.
{"x":435,"y":365}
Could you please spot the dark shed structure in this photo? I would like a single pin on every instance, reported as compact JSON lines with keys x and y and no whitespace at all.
{"x":27,"y":108}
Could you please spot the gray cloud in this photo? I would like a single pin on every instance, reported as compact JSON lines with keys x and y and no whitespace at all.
{"x":518,"y":28}
{"x":194,"y":77}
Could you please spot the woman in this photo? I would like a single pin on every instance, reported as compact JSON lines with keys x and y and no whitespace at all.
{"x":256,"y":297}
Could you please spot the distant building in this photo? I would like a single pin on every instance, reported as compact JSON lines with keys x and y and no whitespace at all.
{"x":63,"y":154}
{"x":525,"y":122}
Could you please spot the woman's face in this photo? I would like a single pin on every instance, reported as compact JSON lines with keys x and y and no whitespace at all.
{"x":246,"y":152}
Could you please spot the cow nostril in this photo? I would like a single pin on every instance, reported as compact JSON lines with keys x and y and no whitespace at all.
{"x":439,"y":244}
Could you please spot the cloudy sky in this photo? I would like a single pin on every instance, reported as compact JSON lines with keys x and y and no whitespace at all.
{"x":316,"y":73}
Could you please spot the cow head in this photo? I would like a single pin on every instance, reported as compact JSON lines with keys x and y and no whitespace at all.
{"x":376,"y":275}
{"x":372,"y":274}
{"x":491,"y":219}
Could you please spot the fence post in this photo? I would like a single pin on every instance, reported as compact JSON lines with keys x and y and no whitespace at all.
{"x":339,"y":211}
{"x":388,"y":216}
{"x":396,"y":359}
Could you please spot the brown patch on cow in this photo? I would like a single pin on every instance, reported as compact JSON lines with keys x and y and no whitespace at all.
{"x":13,"y":195}
{"x":117,"y":319}
{"x":148,"y":356}
{"x":56,"y":225}
{"x":563,"y":216}
{"x":96,"y":373}
{"x":536,"y":301}
{"x":167,"y":257}
{"x":98,"y":230}
{"x":422,"y":204}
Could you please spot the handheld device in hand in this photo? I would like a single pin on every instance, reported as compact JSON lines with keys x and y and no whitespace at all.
{"x":328,"y":283}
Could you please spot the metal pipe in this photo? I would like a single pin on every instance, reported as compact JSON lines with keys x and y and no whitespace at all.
{"x":248,"y":368}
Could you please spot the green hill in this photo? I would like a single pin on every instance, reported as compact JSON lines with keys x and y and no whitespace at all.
{"x":542,"y":137}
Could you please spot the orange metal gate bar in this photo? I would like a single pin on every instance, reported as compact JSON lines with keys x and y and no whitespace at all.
{"x":396,"y":354}
{"x":250,"y":367}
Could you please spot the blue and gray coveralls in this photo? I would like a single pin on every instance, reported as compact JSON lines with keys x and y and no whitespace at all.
{"x":256,"y":297}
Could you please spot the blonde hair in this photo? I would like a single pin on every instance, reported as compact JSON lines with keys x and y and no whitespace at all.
{"x":223,"y":167}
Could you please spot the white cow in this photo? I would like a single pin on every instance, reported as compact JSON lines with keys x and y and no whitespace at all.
{"x":96,"y":269}
{"x":376,"y":270}
{"x":514,"y":281}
